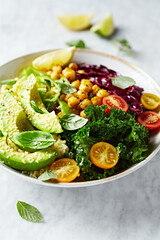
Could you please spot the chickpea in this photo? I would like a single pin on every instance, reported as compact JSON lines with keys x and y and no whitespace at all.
{"x":49,"y":73}
{"x":96,"y":101}
{"x":81,"y":95}
{"x":76,"y":84}
{"x":69,"y":74}
{"x":57,"y":69}
{"x":55,"y":75}
{"x":62,"y":97}
{"x":82,"y":114}
{"x":68,"y":96}
{"x":85,"y":103}
{"x":73,"y":101}
{"x":102,"y":93}
{"x":81,"y":71}
{"x":76,"y":111}
{"x":85,"y":86}
{"x":60,"y":115}
{"x":74,"y":66}
{"x":95,"y":89}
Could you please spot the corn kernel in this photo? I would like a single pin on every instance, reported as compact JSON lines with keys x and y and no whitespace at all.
{"x":85,"y":86}
{"x":74,"y":66}
{"x":76,"y":84}
{"x":95,"y":89}
{"x":85,"y":103}
{"x":102,"y":93}
{"x":96,"y":101}
{"x":73,"y":101}
{"x":69,"y":74}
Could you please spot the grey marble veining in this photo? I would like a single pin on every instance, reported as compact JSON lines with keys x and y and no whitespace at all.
{"x":126,"y":209}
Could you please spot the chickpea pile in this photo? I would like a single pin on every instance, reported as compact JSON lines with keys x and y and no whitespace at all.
{"x":87,"y":93}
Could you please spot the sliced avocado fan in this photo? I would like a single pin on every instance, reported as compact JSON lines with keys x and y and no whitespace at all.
{"x":47,"y":122}
{"x":14,"y":120}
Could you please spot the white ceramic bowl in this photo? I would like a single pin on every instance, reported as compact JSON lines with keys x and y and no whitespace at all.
{"x":12,"y":68}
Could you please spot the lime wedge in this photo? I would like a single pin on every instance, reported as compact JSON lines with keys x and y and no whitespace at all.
{"x":105,"y":27}
{"x":58,"y":57}
{"x":76,"y":22}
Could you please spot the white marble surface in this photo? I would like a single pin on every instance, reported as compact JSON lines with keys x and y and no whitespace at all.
{"x":126,"y":209}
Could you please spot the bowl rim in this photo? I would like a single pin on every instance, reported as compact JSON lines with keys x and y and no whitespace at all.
{"x":92,"y":182}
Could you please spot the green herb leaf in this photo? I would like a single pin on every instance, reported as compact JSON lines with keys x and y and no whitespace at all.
{"x":73,"y":121}
{"x":63,"y":106}
{"x":28,"y":212}
{"x":35,"y":108}
{"x":1,"y":134}
{"x":9,"y":81}
{"x":123,"y":46}
{"x":33,"y":140}
{"x":65,"y":85}
{"x":47,"y":175}
{"x":123,"y":82}
{"x":77,"y":43}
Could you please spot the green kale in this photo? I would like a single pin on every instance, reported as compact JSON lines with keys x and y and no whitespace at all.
{"x":119,"y":129}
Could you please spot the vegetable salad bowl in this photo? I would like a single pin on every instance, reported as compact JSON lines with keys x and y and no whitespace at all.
{"x":12,"y":68}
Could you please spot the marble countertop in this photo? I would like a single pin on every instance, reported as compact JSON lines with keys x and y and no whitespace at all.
{"x":126,"y":209}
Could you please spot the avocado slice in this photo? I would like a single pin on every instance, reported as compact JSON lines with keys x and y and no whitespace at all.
{"x":23,"y":160}
{"x":14,"y":119}
{"x":47,"y":122}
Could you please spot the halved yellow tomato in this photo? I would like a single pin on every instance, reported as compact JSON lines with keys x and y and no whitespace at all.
{"x":66,"y":169}
{"x":103,"y":155}
{"x":150,"y":101}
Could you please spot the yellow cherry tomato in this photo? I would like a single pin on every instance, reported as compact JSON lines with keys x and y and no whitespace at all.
{"x":103,"y":155}
{"x":66,"y":169}
{"x":150,"y":101}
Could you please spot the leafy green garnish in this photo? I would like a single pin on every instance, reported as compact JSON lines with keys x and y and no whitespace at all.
{"x":63,"y":106}
{"x":28,"y":212}
{"x":77,"y":43}
{"x":1,"y":134}
{"x":123,"y":82}
{"x":72,"y":121}
{"x":123,"y":46}
{"x":65,"y":85}
{"x":35,"y":108}
{"x":47,"y":175}
{"x":119,"y":129}
{"x":9,"y":81}
{"x":33,"y":140}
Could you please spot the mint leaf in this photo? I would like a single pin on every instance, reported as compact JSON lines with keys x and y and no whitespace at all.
{"x":33,"y":140}
{"x":123,"y":46}
{"x":77,"y":43}
{"x":72,"y":121}
{"x":35,"y":108}
{"x":123,"y":82}
{"x":65,"y":85}
{"x":28,"y":212}
{"x":47,"y":175}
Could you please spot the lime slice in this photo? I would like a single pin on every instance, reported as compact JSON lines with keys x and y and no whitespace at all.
{"x":58,"y":57}
{"x":105,"y":27}
{"x":76,"y":22}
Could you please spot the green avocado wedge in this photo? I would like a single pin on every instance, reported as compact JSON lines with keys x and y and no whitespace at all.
{"x":14,"y":119}
{"x":23,"y":160}
{"x":47,"y":122}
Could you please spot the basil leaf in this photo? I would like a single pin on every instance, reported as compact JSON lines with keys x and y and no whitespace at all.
{"x":77,"y":43}
{"x":28,"y":212}
{"x":123,"y":46}
{"x":123,"y":82}
{"x":33,"y":140}
{"x":9,"y":81}
{"x":1,"y":134}
{"x":35,"y":108}
{"x":63,"y":106}
{"x":47,"y":175}
{"x":72,"y":121}
{"x":65,"y":85}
